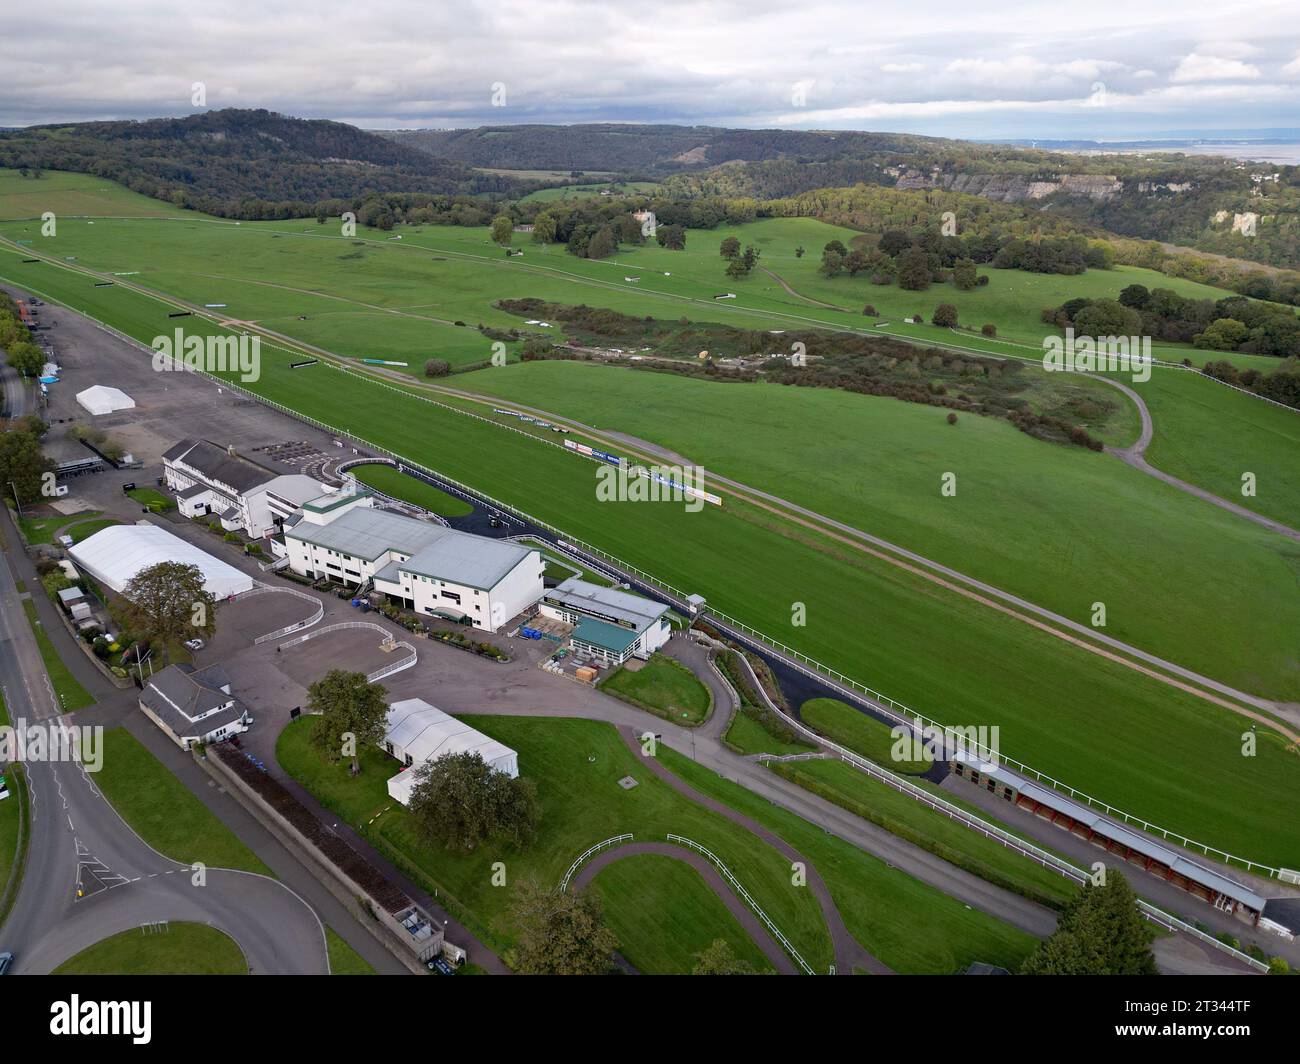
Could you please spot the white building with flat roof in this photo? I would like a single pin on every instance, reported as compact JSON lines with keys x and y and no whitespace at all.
{"x":428,"y":568}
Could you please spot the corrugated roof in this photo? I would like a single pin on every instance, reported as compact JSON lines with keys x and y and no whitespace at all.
{"x":1136,"y":841}
{"x":602,"y":634}
{"x":467,"y":559}
{"x":435,"y":551}
{"x":368,"y":533}
{"x":607,"y":601}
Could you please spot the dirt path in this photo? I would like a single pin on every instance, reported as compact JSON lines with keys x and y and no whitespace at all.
{"x":742,"y":912}
{"x":1135,"y":456}
{"x":785,"y":285}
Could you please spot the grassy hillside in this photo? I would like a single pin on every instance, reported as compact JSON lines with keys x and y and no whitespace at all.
{"x":69,"y":195}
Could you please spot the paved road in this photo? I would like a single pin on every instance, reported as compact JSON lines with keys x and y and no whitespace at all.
{"x":78,"y":839}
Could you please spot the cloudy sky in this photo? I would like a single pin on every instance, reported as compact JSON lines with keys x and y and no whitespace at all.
{"x":1104,"y":69}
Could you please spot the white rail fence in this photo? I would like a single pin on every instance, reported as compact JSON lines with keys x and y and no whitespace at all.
{"x":766,"y":920}
{"x":588,"y":854}
{"x":297,"y":626}
{"x":378,"y":674}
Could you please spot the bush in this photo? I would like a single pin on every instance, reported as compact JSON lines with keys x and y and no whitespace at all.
{"x":870,"y":311}
{"x":437,"y":367}
{"x":945,"y":315}
{"x":989,"y":329}
{"x":952,"y":419}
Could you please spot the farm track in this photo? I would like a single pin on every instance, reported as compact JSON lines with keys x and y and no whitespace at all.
{"x":914,"y":563}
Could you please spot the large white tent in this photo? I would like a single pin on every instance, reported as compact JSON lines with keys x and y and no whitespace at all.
{"x":115,"y":554}
{"x":417,"y":732}
{"x":102,"y":399}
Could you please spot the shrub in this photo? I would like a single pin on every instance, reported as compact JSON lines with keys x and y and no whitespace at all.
{"x":952,"y":419}
{"x":437,"y":367}
{"x":945,"y":315}
{"x":870,"y":311}
{"x":989,"y":329}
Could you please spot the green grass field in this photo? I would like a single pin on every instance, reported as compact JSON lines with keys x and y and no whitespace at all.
{"x":156,"y":501}
{"x":576,"y":765}
{"x":11,"y":818}
{"x":665,"y":915}
{"x":70,"y":693}
{"x":875,"y":900}
{"x":1046,"y":522}
{"x":182,"y":949}
{"x":41,"y":529}
{"x":83,"y":530}
{"x":74,"y":194}
{"x":864,"y":735}
{"x":665,"y":687}
{"x":400,"y":486}
{"x":163,"y":811}
{"x":749,"y":737}
{"x":869,"y":798}
{"x":1060,"y":710}
{"x":344,"y":960}
{"x":573,"y":192}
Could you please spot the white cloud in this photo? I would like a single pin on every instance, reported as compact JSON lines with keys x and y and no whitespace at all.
{"x":1197,"y":67}
{"x":902,"y":68}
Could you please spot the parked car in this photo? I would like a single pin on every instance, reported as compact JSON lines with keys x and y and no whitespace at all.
{"x":6,"y":960}
{"x":440,"y":965}
{"x":194,"y":644}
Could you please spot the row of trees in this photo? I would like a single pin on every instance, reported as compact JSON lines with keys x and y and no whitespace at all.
{"x":16,"y":340}
{"x":1234,"y":323}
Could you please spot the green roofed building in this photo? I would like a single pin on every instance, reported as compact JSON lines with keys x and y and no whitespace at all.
{"x":609,"y":642}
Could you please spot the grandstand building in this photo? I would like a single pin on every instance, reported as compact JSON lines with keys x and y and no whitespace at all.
{"x":427,"y":568}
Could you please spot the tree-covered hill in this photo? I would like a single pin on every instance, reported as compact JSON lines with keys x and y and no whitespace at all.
{"x":243,"y":163}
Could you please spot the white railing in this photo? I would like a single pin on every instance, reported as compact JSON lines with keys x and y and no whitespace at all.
{"x":587,"y":854}
{"x":681,"y":840}
{"x":1172,"y":923}
{"x":378,"y":674}
{"x":796,"y":659}
{"x":297,"y":626}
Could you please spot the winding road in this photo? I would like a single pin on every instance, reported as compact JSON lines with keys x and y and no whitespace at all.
{"x":78,"y":842}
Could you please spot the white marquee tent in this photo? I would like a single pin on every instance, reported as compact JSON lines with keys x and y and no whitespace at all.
{"x":418,"y":732}
{"x":102,"y":399}
{"x":115,"y":554}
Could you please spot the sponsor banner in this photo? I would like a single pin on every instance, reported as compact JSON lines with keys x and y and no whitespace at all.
{"x":686,"y":489}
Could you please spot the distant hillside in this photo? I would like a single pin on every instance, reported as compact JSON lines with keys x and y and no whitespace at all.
{"x":243,"y":164}
{"x":651,"y":150}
